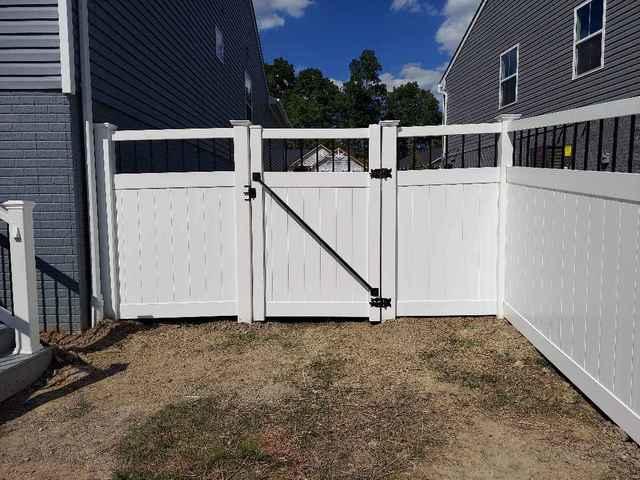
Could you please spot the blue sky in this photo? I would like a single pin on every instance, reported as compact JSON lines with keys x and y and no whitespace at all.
{"x":414,"y":39}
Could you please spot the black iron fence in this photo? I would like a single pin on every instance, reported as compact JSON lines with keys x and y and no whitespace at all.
{"x":165,"y":156}
{"x":318,"y":155}
{"x":452,"y":151}
{"x":601,"y":145}
{"x":6,"y":288}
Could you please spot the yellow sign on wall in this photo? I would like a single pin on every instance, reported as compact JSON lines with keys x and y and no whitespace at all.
{"x":568,"y":151}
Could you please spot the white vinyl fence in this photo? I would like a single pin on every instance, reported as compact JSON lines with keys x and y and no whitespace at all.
{"x":556,"y":252}
{"x":573,"y":271}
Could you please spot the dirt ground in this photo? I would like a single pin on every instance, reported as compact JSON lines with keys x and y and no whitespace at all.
{"x":413,"y":399}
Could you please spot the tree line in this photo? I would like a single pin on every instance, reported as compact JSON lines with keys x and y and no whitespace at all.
{"x":313,"y":101}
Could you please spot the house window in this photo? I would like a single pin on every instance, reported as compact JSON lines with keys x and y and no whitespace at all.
{"x":588,"y":47}
{"x":219,"y":44}
{"x":248,"y":95}
{"x":509,"y":76}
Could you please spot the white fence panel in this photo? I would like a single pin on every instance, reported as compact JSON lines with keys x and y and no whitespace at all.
{"x":176,"y":244}
{"x":301,"y":278}
{"x":447,"y":242}
{"x":573,"y":270}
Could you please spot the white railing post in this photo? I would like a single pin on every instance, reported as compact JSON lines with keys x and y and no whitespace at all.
{"x":505,"y":160}
{"x":242,"y":158}
{"x":106,"y":199}
{"x":257,"y":227}
{"x":389,"y":248}
{"x":23,"y":275}
{"x":375,"y":203}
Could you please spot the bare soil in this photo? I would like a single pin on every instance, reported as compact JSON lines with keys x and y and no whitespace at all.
{"x":417,"y":399}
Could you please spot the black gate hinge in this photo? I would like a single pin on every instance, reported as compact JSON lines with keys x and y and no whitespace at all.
{"x":380,"y":302}
{"x":250,"y":194}
{"x":381,"y":173}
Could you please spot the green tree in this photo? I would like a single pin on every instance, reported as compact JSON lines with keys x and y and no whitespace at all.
{"x":281,"y":78}
{"x":314,"y":101}
{"x":413,"y":105}
{"x":365,"y":95}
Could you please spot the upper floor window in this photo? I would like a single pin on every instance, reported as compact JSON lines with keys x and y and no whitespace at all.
{"x":248,"y":95}
{"x":588,"y":46}
{"x":219,"y":44}
{"x":509,"y":67}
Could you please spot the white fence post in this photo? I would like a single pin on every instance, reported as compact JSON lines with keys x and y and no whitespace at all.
{"x":389,"y":249}
{"x":375,"y":204}
{"x":105,"y":170}
{"x":23,"y":275}
{"x":242,"y":158}
{"x":257,"y":227}
{"x":505,"y":160}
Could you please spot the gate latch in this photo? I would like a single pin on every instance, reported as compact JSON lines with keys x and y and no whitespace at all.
{"x":381,"y":173}
{"x":250,"y":194}
{"x":379,"y":302}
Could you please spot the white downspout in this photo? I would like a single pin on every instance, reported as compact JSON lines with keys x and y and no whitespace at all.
{"x":442,"y":89}
{"x":97,"y":301}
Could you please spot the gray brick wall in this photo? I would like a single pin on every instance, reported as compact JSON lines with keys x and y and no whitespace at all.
{"x":41,"y":160}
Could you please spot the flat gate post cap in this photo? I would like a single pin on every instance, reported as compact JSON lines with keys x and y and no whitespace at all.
{"x":508,"y":117}
{"x":240,"y":123}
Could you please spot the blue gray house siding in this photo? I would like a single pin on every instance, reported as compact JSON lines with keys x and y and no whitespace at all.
{"x":40,"y":161}
{"x":157,"y":67}
{"x":544,"y":32}
{"x":29,"y":45}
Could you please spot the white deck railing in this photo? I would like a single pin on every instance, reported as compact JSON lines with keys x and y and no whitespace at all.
{"x":24,"y":320}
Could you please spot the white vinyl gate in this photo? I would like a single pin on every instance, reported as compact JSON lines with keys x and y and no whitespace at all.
{"x":309,"y":244}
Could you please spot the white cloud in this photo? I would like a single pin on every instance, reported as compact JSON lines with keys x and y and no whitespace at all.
{"x":414,"y":6}
{"x":458,"y":15}
{"x":272,"y":13}
{"x":338,"y":83}
{"x":414,"y":72}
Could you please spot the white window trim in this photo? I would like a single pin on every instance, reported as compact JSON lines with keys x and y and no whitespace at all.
{"x":576,"y":42}
{"x":516,"y":75}
{"x":67,"y":49}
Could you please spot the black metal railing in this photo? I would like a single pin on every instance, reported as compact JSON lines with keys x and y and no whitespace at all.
{"x":452,"y":151}
{"x":164,"y":156}
{"x":6,"y":284}
{"x":600,"y":145}
{"x":318,"y":155}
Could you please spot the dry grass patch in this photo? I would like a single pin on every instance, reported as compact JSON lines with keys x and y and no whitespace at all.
{"x":414,"y":399}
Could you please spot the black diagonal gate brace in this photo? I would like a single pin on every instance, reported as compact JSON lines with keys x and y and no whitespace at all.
{"x":376,"y":300}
